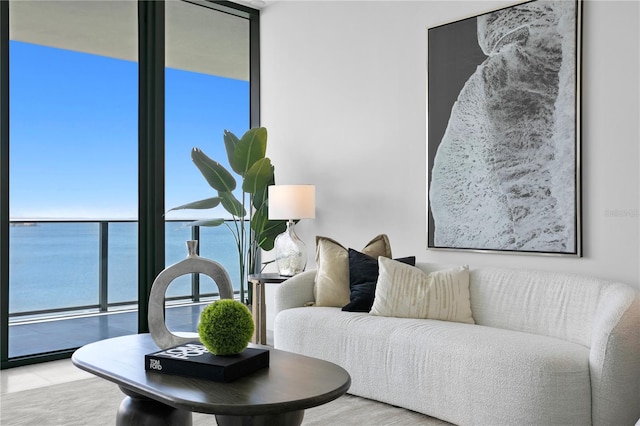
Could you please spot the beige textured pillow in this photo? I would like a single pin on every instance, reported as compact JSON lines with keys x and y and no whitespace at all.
{"x":407,"y":292}
{"x":332,"y":275}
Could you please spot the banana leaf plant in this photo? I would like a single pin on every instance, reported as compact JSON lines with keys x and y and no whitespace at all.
{"x":247,"y":159}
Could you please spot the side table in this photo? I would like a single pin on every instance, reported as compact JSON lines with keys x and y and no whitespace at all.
{"x":258,"y":306}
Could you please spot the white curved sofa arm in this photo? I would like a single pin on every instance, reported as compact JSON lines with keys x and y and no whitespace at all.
{"x":295,"y":292}
{"x":615,"y":358}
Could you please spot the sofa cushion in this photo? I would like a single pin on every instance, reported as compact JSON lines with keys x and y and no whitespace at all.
{"x":407,"y":292}
{"x":461,"y":373}
{"x":363,"y":275}
{"x":332,"y":275}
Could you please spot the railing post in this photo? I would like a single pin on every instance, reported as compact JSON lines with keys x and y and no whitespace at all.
{"x":103,"y":267}
{"x":195,"y":278}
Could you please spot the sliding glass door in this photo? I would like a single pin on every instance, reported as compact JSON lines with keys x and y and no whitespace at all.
{"x":204,"y":95}
{"x":72,"y":171}
{"x":85,"y":173}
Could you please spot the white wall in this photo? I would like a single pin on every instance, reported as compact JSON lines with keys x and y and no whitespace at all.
{"x":344,"y":100}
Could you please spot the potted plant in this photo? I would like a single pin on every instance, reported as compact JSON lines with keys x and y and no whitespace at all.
{"x":247,"y":159}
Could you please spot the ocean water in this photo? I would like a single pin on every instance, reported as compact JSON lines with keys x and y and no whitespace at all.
{"x":56,"y":265}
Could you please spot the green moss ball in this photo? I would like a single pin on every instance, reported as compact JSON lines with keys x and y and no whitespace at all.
{"x":225,"y":327}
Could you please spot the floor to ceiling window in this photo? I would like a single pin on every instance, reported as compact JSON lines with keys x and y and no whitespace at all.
{"x":72,"y":171}
{"x":74,"y":184}
{"x":205,"y":94}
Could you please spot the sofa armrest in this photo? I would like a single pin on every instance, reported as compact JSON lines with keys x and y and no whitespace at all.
{"x":295,"y":292}
{"x":614,"y":359}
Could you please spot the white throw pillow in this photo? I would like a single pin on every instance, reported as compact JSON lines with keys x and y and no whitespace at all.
{"x":407,"y":292}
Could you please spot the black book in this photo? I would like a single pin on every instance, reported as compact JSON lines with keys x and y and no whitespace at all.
{"x":194,"y":360}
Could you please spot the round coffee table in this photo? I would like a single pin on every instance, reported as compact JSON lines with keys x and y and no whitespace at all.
{"x":277,"y":395}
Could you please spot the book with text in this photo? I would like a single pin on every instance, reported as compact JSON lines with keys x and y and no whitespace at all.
{"x":194,"y":360}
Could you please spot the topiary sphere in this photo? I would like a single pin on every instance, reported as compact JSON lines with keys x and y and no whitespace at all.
{"x":225,"y":327}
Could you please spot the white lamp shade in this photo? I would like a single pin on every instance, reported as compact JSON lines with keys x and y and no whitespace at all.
{"x":292,"y":202}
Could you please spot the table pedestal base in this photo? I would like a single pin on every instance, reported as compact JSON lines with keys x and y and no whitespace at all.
{"x":138,"y":410}
{"x":292,"y":418}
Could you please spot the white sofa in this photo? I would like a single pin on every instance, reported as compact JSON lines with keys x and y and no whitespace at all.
{"x":546,"y":349}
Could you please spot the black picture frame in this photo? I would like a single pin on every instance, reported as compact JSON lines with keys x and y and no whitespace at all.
{"x":503,"y":147}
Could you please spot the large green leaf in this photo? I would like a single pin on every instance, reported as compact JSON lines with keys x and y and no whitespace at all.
{"x":266,"y":243}
{"x":232,"y":204}
{"x":207,"y":222}
{"x":258,"y":221}
{"x":259,"y":199}
{"x":251,"y":148}
{"x":216,"y":175}
{"x":271,"y":230}
{"x":266,"y":230}
{"x":258,"y":176}
{"x":207,"y":203}
{"x":231,"y":142}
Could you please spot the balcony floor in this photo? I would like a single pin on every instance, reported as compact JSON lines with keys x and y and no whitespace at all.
{"x":73,"y":332}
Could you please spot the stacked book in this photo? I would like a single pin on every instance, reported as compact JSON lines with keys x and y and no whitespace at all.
{"x":194,"y":360}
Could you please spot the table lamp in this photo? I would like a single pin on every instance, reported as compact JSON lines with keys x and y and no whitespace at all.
{"x":291,"y":202}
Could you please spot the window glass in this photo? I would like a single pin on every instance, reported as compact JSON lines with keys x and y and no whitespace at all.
{"x":73,"y":169}
{"x":207,"y":91}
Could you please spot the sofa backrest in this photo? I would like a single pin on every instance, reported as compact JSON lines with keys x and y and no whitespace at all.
{"x":547,"y":303}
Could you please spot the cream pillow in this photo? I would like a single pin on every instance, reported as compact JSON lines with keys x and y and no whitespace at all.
{"x":407,"y":292}
{"x":332,"y":274}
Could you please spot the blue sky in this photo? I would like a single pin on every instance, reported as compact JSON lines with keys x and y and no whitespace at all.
{"x":74,"y":130}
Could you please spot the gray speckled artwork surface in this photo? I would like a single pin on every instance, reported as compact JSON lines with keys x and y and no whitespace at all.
{"x":503,"y":171}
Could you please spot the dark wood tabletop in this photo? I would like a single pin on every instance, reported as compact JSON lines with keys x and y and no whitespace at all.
{"x":291,"y":382}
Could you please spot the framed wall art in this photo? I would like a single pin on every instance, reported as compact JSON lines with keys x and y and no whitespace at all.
{"x":504,"y":131}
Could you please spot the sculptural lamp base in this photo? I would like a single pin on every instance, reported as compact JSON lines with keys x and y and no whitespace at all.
{"x":291,"y":253}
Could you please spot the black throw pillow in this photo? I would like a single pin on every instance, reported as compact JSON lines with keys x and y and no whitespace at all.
{"x":363,"y":276}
